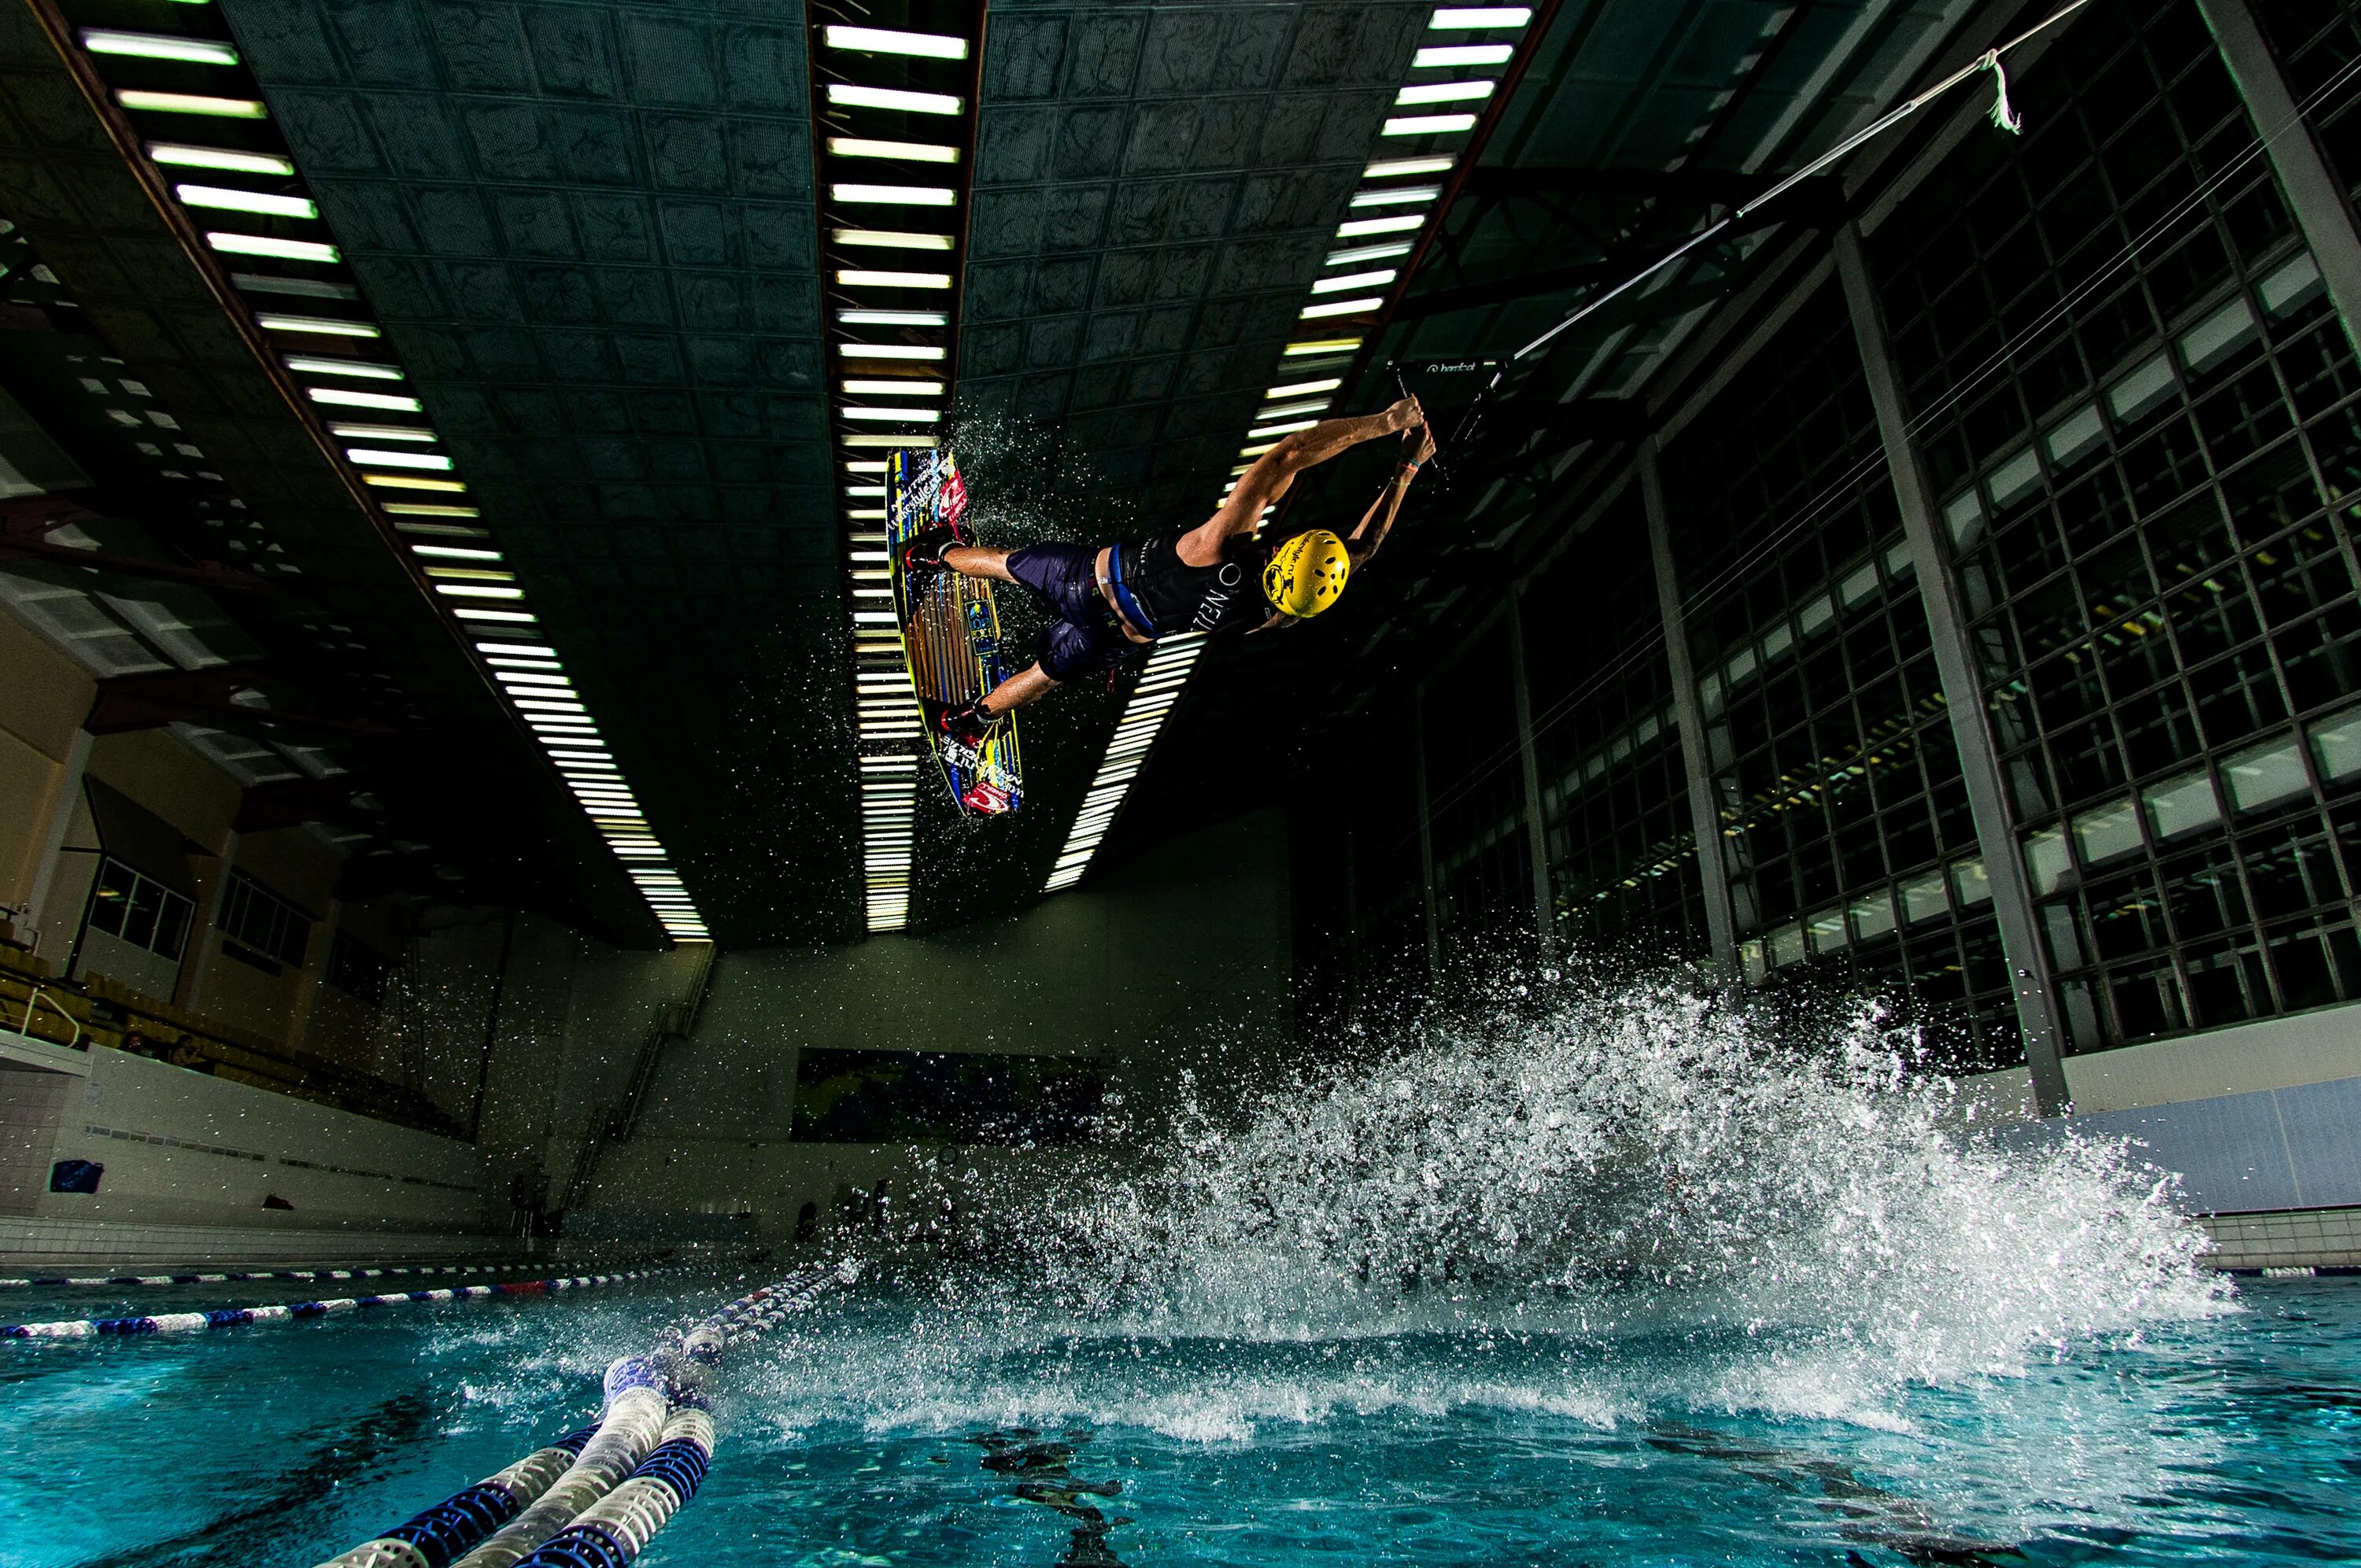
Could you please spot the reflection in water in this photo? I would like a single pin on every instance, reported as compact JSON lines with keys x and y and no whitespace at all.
{"x":1040,"y":1467}
{"x":1872,"y":1516}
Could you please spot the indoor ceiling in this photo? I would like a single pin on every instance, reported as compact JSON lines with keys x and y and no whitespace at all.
{"x":590,"y":234}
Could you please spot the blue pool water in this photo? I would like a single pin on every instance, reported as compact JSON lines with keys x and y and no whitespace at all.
{"x":1623,"y":1281}
{"x":2232,"y":1438}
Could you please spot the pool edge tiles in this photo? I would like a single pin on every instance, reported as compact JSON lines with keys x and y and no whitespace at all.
{"x":290,"y":1311}
{"x":323,"y":338}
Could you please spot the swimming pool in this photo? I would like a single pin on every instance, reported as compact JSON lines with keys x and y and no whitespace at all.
{"x":2226,"y":1438}
{"x":1563,"y":1297}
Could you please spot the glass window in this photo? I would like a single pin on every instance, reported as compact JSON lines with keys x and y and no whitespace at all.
{"x":257,"y":918}
{"x":2046,"y":861}
{"x":1924,"y":899}
{"x":1873,"y":916}
{"x":2104,"y":834}
{"x":139,"y":909}
{"x":2181,"y":806}
{"x":2168,"y":576}
{"x":2264,"y":775}
{"x":2336,"y":745}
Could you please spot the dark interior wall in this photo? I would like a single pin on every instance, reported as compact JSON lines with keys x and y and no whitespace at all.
{"x":1178,"y":960}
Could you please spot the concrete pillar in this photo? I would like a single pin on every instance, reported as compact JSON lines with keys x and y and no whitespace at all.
{"x":1955,"y":665}
{"x":1536,"y":831}
{"x":1705,"y":812}
{"x":193,"y":962}
{"x":2313,"y":194}
{"x":313,"y":976}
{"x":1425,"y":835}
{"x":51,"y":944}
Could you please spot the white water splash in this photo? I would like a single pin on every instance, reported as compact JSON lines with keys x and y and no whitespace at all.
{"x":1633,"y":1199}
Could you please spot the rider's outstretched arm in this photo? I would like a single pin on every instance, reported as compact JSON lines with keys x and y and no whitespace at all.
{"x":1375,"y":522}
{"x":1275,"y":469}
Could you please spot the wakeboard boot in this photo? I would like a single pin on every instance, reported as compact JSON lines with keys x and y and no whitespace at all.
{"x":966,"y":725}
{"x":922,"y":557}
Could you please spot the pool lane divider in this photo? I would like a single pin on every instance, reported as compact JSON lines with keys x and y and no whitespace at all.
{"x":237,"y":1316}
{"x":597,"y":1496}
{"x":246,"y":1276}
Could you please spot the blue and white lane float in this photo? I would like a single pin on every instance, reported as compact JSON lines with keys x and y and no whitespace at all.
{"x":247,"y":1276}
{"x":235,"y":1317}
{"x":595,"y":1497}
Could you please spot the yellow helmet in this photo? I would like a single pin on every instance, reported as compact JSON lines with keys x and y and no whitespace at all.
{"x":1307,"y":573}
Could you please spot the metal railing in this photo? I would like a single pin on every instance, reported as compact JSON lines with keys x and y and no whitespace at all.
{"x":675,"y":1021}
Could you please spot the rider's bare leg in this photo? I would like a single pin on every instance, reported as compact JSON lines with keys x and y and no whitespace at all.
{"x":979,"y":561}
{"x":1026,"y":685}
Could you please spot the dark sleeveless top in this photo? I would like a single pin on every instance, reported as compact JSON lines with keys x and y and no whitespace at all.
{"x":1151,"y":579}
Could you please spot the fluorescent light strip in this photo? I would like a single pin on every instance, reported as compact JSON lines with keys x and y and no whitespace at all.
{"x":856,"y":97}
{"x":370,"y":457}
{"x":908,"y":151}
{"x":1427,"y":125}
{"x":190,"y":103}
{"x":1444,"y":92}
{"x":897,"y":416}
{"x":278,"y":249}
{"x":1468,"y":17}
{"x":891,"y":239}
{"x":364,"y":369}
{"x":309,"y":287}
{"x":1356,"y":280}
{"x":158,"y":46}
{"x":182,"y":155}
{"x":888,"y":720}
{"x":1158,"y":690}
{"x":345,"y":397}
{"x":230,"y":199}
{"x":862,"y":277}
{"x":895,"y":195}
{"x":881,"y":40}
{"x":324,"y":327}
{"x":1442,"y":57}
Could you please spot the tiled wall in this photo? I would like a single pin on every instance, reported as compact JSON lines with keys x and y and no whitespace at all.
{"x":2271,"y":1149}
{"x":69,"y":1245}
{"x":191,"y":1160}
{"x":30,"y":1103}
{"x":2317,"y":1238}
{"x":2255,"y":1120}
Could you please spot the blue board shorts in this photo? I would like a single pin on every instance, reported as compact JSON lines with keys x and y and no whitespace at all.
{"x":1085,"y":638}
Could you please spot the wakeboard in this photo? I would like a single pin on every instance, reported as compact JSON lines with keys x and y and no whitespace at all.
{"x":951,"y":635}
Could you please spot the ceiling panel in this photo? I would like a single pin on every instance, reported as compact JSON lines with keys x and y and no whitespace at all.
{"x":589,"y":233}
